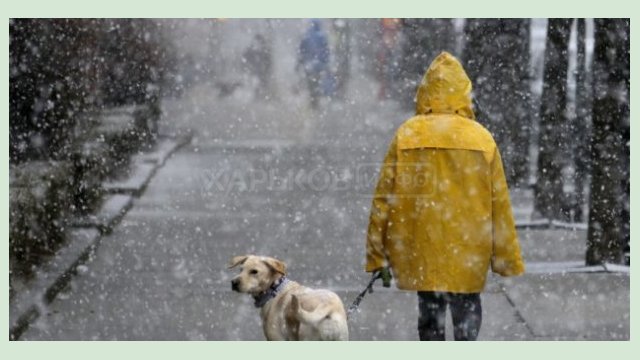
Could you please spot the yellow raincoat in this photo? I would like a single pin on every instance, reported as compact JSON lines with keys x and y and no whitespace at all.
{"x":441,"y":214}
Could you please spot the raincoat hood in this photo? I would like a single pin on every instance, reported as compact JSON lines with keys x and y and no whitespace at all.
{"x":445,"y":88}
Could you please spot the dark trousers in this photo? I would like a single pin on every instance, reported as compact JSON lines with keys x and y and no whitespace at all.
{"x":466,"y":313}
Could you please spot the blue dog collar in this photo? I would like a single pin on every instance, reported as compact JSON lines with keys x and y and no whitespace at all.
{"x":262,"y":299}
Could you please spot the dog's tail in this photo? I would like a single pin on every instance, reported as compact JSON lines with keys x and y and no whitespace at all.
{"x":310,"y":317}
{"x":330,"y":325}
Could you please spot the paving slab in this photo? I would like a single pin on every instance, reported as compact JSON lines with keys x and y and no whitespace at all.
{"x":591,"y":306}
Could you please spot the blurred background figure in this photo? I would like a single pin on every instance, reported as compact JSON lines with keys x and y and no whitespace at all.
{"x":313,"y":59}
{"x":342,"y":56}
{"x":257,"y":57}
{"x":387,"y":56}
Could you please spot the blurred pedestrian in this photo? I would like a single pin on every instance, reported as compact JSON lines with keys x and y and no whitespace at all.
{"x":441,"y":215}
{"x":313,"y":59}
{"x":342,"y":52}
{"x":258,"y":59}
{"x":388,"y":52}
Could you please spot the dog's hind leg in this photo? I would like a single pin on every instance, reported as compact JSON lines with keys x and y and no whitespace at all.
{"x":291,"y":317}
{"x":333,"y":327}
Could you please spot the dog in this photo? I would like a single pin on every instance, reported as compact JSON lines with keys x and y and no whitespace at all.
{"x":289,"y":310}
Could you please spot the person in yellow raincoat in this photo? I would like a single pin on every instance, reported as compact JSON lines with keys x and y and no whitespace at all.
{"x":441,"y":215}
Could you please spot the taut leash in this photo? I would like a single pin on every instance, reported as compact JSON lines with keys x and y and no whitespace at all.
{"x":369,"y":289}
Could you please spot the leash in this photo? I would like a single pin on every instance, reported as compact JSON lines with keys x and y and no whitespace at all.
{"x":369,"y":289}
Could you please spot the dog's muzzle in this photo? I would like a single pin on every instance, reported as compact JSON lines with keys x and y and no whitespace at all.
{"x":235,"y":285}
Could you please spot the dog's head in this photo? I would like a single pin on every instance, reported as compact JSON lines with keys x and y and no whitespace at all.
{"x":257,"y":273}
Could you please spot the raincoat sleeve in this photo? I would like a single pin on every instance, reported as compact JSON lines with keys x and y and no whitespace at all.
{"x":506,"y":259}
{"x":379,"y":217}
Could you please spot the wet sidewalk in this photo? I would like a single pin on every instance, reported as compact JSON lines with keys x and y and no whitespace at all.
{"x":161,"y":274}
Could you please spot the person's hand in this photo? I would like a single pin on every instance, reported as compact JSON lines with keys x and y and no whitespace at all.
{"x":385,"y":275}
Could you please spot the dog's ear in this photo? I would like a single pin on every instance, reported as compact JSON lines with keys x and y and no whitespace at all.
{"x":237,"y":260}
{"x":276,"y":265}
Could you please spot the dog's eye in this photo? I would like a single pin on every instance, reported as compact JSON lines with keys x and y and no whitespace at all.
{"x":253,"y":272}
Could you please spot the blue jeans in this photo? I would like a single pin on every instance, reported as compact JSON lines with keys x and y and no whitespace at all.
{"x":466,"y":313}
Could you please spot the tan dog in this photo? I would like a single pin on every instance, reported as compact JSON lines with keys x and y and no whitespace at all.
{"x":289,"y":310}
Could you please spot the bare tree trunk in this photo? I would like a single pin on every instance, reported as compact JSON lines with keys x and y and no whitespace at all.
{"x":517,"y":102}
{"x":581,"y":126}
{"x":626,"y":140}
{"x":605,"y":241}
{"x":499,"y":70}
{"x":549,"y":196}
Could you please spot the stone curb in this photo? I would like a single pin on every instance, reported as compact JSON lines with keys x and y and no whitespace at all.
{"x":53,"y":277}
{"x":550,"y":224}
{"x":108,"y":216}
